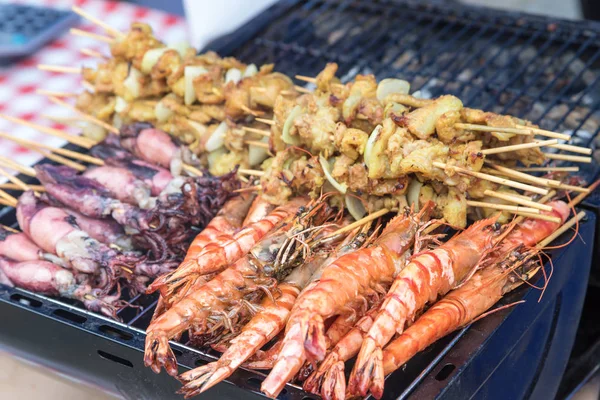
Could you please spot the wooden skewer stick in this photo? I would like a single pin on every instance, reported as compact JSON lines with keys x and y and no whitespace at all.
{"x":78,"y":140}
{"x":57,"y":158}
{"x":250,"y":111}
{"x":566,"y":226}
{"x":534,"y":179}
{"x":114,"y":32}
{"x":492,"y":178}
{"x":572,"y":149}
{"x":360,"y":222}
{"x":8,"y":163}
{"x":544,"y":217}
{"x":503,"y":207}
{"x":8,"y":202}
{"x":265,"y":121}
{"x":306,"y":78}
{"x":565,"y":157}
{"x":91,"y":53}
{"x":55,"y":93}
{"x":58,"y":150}
{"x":192,"y":170}
{"x":487,"y":128}
{"x":259,"y":131}
{"x":517,"y":200}
{"x":15,"y":181}
{"x":248,"y":189}
{"x":543,"y":132}
{"x":13,"y":186}
{"x":8,"y":228}
{"x":579,"y":198}
{"x":59,"y":68}
{"x":257,"y":143}
{"x":522,"y":146}
{"x":547,"y":169}
{"x":85,"y":116}
{"x":302,"y":89}
{"x":288,"y":92}
{"x":88,"y":86}
{"x":251,"y":172}
{"x":95,"y":36}
{"x":8,"y":197}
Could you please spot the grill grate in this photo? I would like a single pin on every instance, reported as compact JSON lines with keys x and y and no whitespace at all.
{"x":545,"y":71}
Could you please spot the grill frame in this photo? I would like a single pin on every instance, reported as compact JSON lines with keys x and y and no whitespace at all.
{"x":469,"y":349}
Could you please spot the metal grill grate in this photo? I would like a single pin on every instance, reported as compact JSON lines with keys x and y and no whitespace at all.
{"x":545,"y":71}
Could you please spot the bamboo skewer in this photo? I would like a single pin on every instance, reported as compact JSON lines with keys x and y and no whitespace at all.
{"x":88,"y":86}
{"x":248,"y":189}
{"x":306,"y":78}
{"x":522,"y":146}
{"x":109,"y":29}
{"x":59,"y":68}
{"x":493,"y":178}
{"x":58,"y":150}
{"x":265,"y":121}
{"x":566,"y":157}
{"x":487,"y":128}
{"x":360,"y":222}
{"x":192,"y":170}
{"x":95,"y":36}
{"x":16,"y":181}
{"x":7,"y":200}
{"x":572,"y":148}
{"x":566,"y":226}
{"x":257,"y":143}
{"x":8,"y":228}
{"x":251,"y":172}
{"x":62,"y":120}
{"x":302,"y":89}
{"x":91,"y":53}
{"x":54,"y":93}
{"x":78,"y":140}
{"x":544,"y":217}
{"x":517,"y":200}
{"x":579,"y":198}
{"x":534,"y":179}
{"x":13,"y":186}
{"x":259,"y":131}
{"x":85,"y":116}
{"x":8,"y":163}
{"x":543,"y":132}
{"x":250,"y":111}
{"x":503,"y":207}
{"x":57,"y":158}
{"x":547,"y":169}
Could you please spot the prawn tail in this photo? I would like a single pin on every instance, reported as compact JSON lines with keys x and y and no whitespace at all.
{"x":369,"y":357}
{"x":334,"y":384}
{"x":324,"y":379}
{"x":203,"y":378}
{"x":315,"y":343}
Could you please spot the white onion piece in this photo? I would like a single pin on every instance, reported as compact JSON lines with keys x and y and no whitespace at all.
{"x":350,"y":105}
{"x":162,"y":112}
{"x":214,"y":156}
{"x":120,"y":104}
{"x":233,"y":75}
{"x":391,"y":85}
{"x":132,"y":82}
{"x":217,"y":138}
{"x":257,"y":154}
{"x":413,"y":192}
{"x":417,"y":95}
{"x":285,"y":133}
{"x":341,"y":187}
{"x":151,"y":58}
{"x":355,"y":206}
{"x":370,"y":144}
{"x":117,"y":121}
{"x":180,"y":47}
{"x":94,"y":132}
{"x":190,"y":73}
{"x":250,"y":70}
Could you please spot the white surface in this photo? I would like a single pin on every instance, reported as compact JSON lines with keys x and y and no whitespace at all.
{"x":208,"y":19}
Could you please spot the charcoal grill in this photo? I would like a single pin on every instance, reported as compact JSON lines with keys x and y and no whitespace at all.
{"x":532,"y":67}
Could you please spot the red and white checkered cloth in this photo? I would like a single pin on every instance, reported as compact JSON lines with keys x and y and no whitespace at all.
{"x":19,"y":82}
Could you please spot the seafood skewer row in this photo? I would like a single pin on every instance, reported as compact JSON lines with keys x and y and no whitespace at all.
{"x":266,"y":324}
{"x":345,"y":281}
{"x":255,"y":270}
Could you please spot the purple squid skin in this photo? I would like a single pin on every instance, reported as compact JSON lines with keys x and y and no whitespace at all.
{"x":18,"y":246}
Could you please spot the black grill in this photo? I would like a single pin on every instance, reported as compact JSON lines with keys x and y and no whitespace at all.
{"x":532,"y":67}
